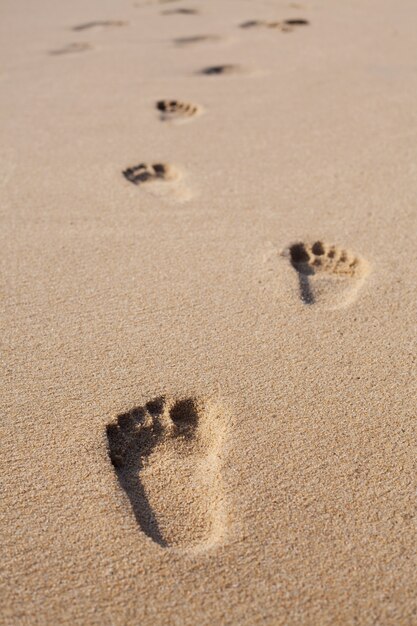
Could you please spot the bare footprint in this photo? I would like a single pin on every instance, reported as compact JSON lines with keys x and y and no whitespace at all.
{"x":216,"y":70}
{"x":186,"y":41}
{"x":144,"y":173}
{"x":328,"y":275}
{"x":177,"y":111}
{"x":72,"y":48}
{"x":181,"y":11}
{"x":284,"y":26}
{"x":161,"y":179}
{"x":167,"y":459}
{"x":99,"y":24}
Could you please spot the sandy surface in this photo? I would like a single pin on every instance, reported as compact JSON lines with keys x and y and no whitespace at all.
{"x":217,"y":296}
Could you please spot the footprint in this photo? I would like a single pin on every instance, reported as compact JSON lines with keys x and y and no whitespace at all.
{"x":177,"y":111}
{"x":215,"y":70}
{"x":99,"y":24}
{"x":181,"y":11}
{"x":144,"y":173}
{"x":284,"y":26}
{"x":297,"y":22}
{"x":72,"y":48}
{"x":167,"y":459}
{"x":185,"y":41}
{"x":328,"y":275}
{"x":161,"y":179}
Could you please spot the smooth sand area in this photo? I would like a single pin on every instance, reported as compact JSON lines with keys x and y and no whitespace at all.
{"x":208,"y":311}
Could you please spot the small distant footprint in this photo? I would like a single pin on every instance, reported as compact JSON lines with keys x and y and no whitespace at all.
{"x":284,"y":26}
{"x":185,"y":41}
{"x":177,"y":111}
{"x":180,"y":11}
{"x":99,"y":24}
{"x":161,"y":179}
{"x":143,"y":173}
{"x":72,"y":48}
{"x":167,"y":459}
{"x":328,"y":275}
{"x":215,"y":70}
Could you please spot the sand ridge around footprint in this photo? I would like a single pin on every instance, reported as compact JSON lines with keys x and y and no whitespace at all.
{"x":178,"y":111}
{"x":167,"y":457}
{"x":328,"y":276}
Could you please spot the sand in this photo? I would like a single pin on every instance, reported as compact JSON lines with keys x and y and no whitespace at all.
{"x":208,"y":304}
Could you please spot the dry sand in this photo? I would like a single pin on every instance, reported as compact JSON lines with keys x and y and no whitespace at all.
{"x":216,"y":294}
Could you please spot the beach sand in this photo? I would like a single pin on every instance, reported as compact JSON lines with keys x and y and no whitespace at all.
{"x":208,"y":260}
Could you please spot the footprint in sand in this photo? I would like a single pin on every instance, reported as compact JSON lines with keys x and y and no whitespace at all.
{"x":161,"y":179}
{"x":186,"y":41}
{"x":217,"y":70}
{"x":177,"y":111}
{"x":98,"y":24}
{"x":144,"y":173}
{"x":328,"y":275}
{"x":285,"y":26}
{"x":183,"y":11}
{"x":167,"y":459}
{"x":72,"y":48}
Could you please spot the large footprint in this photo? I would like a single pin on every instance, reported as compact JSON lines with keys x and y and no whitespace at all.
{"x":167,"y":459}
{"x":328,"y":275}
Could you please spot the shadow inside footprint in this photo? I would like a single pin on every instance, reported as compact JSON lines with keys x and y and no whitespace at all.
{"x":165,"y":455}
{"x":130,"y":441}
{"x":300,"y":262}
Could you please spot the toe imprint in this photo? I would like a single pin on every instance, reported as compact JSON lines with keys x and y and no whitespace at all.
{"x":175,"y":109}
{"x":327,"y":274}
{"x":283,"y":26}
{"x":166,"y":457}
{"x":144,"y":173}
{"x":308,"y":259}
